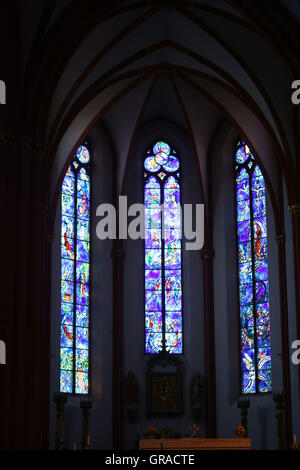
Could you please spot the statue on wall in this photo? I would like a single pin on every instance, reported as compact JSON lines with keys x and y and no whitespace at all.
{"x":196,"y":397}
{"x":131,"y":390}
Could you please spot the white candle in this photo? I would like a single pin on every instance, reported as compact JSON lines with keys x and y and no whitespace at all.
{"x":88,"y":441}
{"x":74,"y":445}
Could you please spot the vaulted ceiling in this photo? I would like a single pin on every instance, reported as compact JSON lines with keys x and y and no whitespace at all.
{"x":194,"y":63}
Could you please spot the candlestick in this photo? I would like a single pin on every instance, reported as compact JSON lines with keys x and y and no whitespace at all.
{"x":243,"y":404}
{"x":295,"y":445}
{"x":194,"y":430}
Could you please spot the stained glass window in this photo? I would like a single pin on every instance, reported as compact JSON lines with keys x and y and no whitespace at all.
{"x":75,"y":275}
{"x":255,"y":339}
{"x":163,"y":273}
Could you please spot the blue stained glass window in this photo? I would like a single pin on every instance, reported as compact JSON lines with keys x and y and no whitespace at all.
{"x":163,"y":275}
{"x":75,"y":275}
{"x":255,"y":334}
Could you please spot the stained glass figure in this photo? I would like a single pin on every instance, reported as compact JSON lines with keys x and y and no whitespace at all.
{"x":75,"y":275}
{"x":163,"y":275}
{"x":255,"y":329}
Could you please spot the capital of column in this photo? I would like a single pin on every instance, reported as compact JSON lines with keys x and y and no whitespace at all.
{"x":207,"y":254}
{"x":33,"y":149}
{"x":49,"y":238}
{"x":60,"y":400}
{"x":280,"y":238}
{"x":86,"y":405}
{"x":44,"y":209}
{"x":294,"y":209}
{"x":117,"y":254}
{"x":279,"y":400}
{"x":168,"y":5}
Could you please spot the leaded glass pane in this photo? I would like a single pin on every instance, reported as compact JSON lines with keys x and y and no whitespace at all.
{"x":255,"y":329}
{"x":75,"y":275}
{"x":163,"y":286}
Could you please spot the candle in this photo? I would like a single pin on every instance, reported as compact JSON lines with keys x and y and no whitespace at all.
{"x":74,"y":445}
{"x":88,"y":441}
{"x":295,"y":440}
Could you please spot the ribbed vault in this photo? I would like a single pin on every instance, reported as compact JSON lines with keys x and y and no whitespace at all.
{"x":192,"y":62}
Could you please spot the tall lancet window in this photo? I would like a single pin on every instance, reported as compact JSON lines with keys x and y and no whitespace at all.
{"x":75,"y":275}
{"x":255,"y":340}
{"x":163,"y":267}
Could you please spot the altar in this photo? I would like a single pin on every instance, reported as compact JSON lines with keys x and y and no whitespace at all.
{"x":192,"y":443}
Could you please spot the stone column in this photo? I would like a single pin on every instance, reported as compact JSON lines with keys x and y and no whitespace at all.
{"x":294,"y":210}
{"x":207,"y":256}
{"x":118,"y":256}
{"x":23,"y":311}
{"x":286,"y":378}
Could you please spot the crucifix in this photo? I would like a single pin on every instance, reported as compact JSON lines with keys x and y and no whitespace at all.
{"x":194,"y":430}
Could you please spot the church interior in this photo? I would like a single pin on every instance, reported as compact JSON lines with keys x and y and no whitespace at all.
{"x":109,"y":341}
